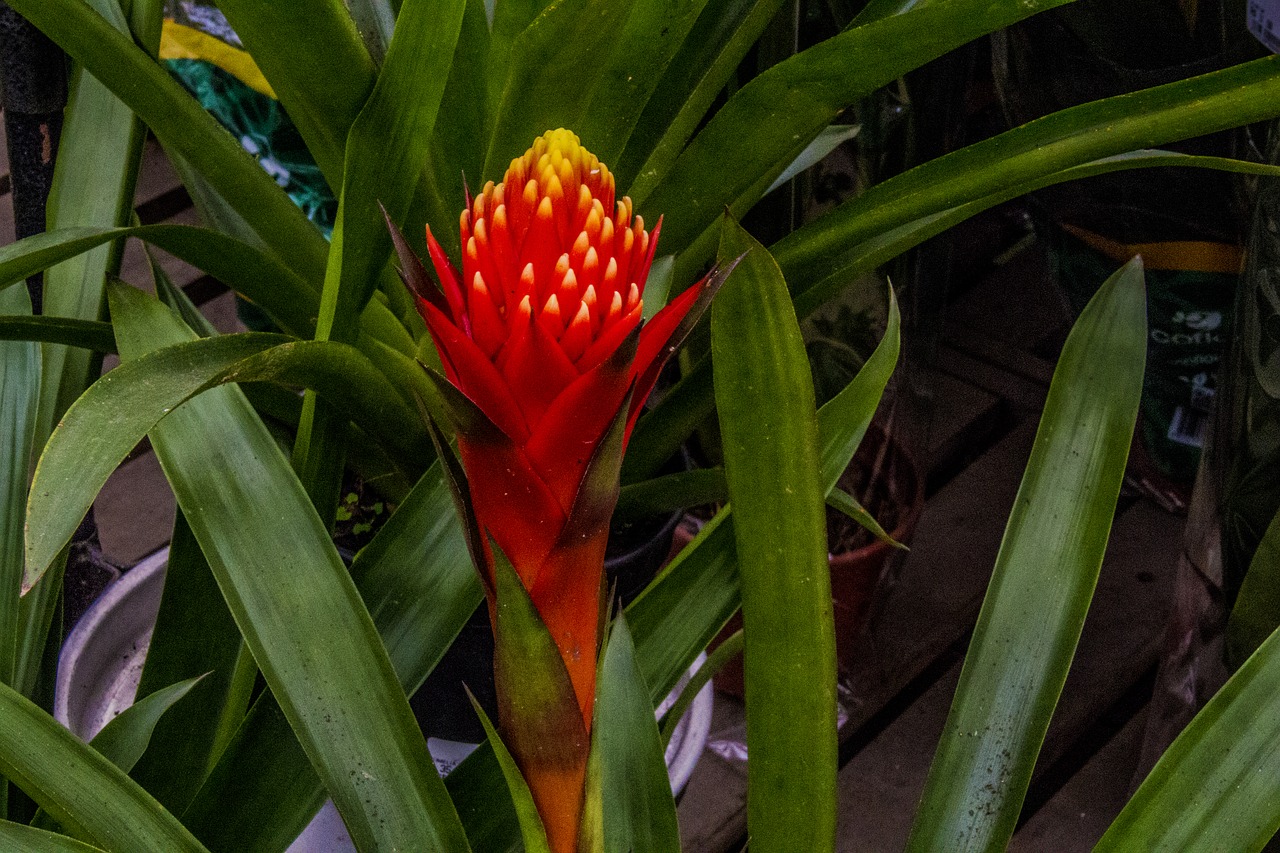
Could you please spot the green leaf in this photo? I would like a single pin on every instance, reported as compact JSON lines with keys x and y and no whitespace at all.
{"x":678,"y":614}
{"x":295,"y":604}
{"x":90,"y":334}
{"x":674,"y":419}
{"x":717,"y":42}
{"x":1245,"y":93}
{"x":194,"y":634}
{"x":109,"y":419}
{"x":1043,"y":580}
{"x":386,"y":150}
{"x":727,"y":650}
{"x":555,"y":55}
{"x":1257,"y":609}
{"x":417,"y":580}
{"x":639,"y":811}
{"x":755,"y":135}
{"x":256,"y":274}
{"x":537,"y":707}
{"x":19,"y":397}
{"x":822,"y":145}
{"x":672,"y":492}
{"x":182,"y":125}
{"x":642,"y":52}
{"x":845,"y":503}
{"x":79,"y":786}
{"x":311,"y":54}
{"x":26,"y":839}
{"x":769,"y":427}
{"x":1215,"y":786}
{"x":99,"y":152}
{"x":126,"y":736}
{"x":532,"y":831}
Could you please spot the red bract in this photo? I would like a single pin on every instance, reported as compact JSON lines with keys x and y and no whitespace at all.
{"x":543,"y":332}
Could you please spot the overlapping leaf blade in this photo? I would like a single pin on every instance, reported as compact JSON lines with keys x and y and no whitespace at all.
{"x":76,"y":784}
{"x":1043,"y":581}
{"x":769,"y":431}
{"x":296,"y":606}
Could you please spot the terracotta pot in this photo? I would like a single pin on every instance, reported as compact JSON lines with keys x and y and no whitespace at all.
{"x":896,"y":498}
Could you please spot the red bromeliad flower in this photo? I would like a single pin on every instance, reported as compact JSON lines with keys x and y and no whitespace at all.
{"x":543,"y":334}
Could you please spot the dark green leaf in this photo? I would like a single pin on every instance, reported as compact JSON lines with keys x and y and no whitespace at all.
{"x":1215,"y":787}
{"x":194,"y":634}
{"x":19,"y":397}
{"x":766,"y":124}
{"x":417,"y":580}
{"x":90,"y":334}
{"x":1043,"y":580}
{"x":769,"y":428}
{"x":312,"y":55}
{"x":1257,"y":609}
{"x":77,"y":785}
{"x":557,"y":54}
{"x":1020,"y":157}
{"x":295,"y":604}
{"x":639,"y":812}
{"x":126,"y":736}
{"x":109,"y":419}
{"x":27,"y":839}
{"x":715,"y":45}
{"x":531,"y":829}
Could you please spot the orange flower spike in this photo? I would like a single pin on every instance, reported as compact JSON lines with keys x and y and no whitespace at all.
{"x":543,"y":334}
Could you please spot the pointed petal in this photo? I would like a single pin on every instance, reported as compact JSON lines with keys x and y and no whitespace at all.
{"x":566,"y":439}
{"x":412,"y":272}
{"x":610,"y":339}
{"x":536,"y":370}
{"x":469,"y":368}
{"x":449,"y":279}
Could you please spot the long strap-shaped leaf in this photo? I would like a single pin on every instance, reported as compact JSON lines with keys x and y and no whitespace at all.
{"x":296,"y":605}
{"x":311,"y":54}
{"x":1257,"y":609}
{"x":25,"y":839}
{"x":386,"y":150}
{"x":76,"y":784}
{"x":641,"y":54}
{"x":769,"y":427}
{"x":1216,"y":787}
{"x":677,"y":615}
{"x":417,"y":580}
{"x":1072,"y":137}
{"x":183,"y":126}
{"x":661,"y":432}
{"x":111,"y":418}
{"x":19,"y":395}
{"x":1043,"y":581}
{"x":99,"y":152}
{"x":561,"y":52}
{"x":707,"y":59}
{"x":766,"y":123}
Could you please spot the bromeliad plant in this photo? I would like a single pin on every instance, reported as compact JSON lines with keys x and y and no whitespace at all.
{"x":395,"y":110}
{"x":548,"y":362}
